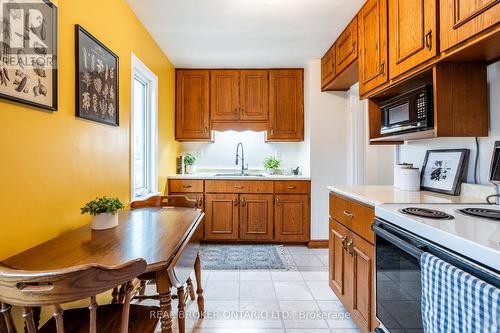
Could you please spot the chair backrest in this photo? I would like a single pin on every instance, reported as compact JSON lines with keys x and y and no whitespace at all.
{"x":29,"y":289}
{"x":165,"y":201}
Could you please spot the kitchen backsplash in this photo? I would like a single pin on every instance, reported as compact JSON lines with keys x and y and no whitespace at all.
{"x":222,"y":152}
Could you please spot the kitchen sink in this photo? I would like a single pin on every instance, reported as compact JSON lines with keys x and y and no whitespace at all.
{"x":239,"y":175}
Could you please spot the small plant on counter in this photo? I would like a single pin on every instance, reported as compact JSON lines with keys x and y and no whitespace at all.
{"x":103,"y":211}
{"x":271,"y":164}
{"x":189,"y":161}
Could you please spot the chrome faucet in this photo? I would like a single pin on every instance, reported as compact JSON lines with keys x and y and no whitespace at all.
{"x":242,"y":156}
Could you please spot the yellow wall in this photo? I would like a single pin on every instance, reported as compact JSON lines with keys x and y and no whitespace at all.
{"x":52,"y":163}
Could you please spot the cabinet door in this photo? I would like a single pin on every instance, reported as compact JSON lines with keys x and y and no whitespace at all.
{"x":286,"y":105}
{"x":362,"y":302}
{"x":221,"y":216}
{"x":292,"y":218}
{"x":192,"y":121}
{"x":346,"y":46}
{"x":412,"y":34}
{"x":224,"y":95}
{"x":254,"y":95}
{"x":328,"y":67}
{"x":372,"y":24}
{"x":462,"y":19}
{"x":338,"y":259}
{"x":256,"y":216}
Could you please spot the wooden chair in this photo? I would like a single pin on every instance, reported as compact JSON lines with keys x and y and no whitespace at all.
{"x":182,"y":293}
{"x":33,"y":289}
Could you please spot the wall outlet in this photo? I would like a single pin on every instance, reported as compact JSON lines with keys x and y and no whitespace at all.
{"x":199,"y":153}
{"x":278,"y":154}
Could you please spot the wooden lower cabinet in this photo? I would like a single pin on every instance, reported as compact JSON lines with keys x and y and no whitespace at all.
{"x":221,"y":216}
{"x":362,"y":283}
{"x":292,"y":217}
{"x":256,"y":217}
{"x":338,"y":259}
{"x":351,"y":271}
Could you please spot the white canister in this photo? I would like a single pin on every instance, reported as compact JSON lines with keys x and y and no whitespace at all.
{"x":104,"y":221}
{"x":397,"y":173}
{"x":410,"y":179}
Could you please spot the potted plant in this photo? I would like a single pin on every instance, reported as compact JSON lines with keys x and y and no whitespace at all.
{"x":189,"y":161}
{"x":104,"y":212}
{"x":271,"y":164}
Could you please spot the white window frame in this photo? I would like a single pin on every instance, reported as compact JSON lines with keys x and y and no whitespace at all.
{"x":140,"y":70}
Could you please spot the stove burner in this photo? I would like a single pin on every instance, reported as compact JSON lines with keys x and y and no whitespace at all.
{"x":491,"y":214}
{"x":427,"y":213}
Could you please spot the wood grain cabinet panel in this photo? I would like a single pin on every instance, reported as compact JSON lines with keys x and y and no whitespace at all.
{"x":328,"y":67}
{"x":192,"y":105}
{"x":224,"y":95}
{"x":338,"y":259}
{"x":239,"y":186}
{"x":286,"y":105}
{"x":462,"y":19}
{"x":412,"y":34}
{"x":221,"y":216}
{"x":346,"y":46}
{"x":254,"y":95}
{"x":362,"y":283}
{"x":185,"y":185}
{"x":292,"y":218}
{"x":198,"y":197}
{"x":372,"y":27}
{"x":292,"y":187}
{"x":256,"y":217}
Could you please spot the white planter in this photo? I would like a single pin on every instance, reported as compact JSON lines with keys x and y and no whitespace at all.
{"x":271,"y":171}
{"x":190,"y":169}
{"x":104,"y":221}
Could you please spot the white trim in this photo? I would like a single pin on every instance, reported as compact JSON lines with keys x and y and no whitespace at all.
{"x":140,"y":70}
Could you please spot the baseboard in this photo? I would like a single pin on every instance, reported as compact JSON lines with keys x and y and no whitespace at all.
{"x":318,"y":244}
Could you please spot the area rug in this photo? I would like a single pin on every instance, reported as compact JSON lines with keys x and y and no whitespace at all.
{"x":245,"y":256}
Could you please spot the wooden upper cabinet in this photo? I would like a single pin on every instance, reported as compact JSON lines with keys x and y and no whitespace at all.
{"x":412,"y":34}
{"x":192,"y":105}
{"x":286,"y":105}
{"x":224,"y":95}
{"x":346,"y":46}
{"x":328,"y":67}
{"x":292,"y":218}
{"x":254,"y":95}
{"x":372,"y":27}
{"x":256,"y":216}
{"x":462,"y":19}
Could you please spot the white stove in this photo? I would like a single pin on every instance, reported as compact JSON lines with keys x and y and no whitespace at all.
{"x":477,"y":238}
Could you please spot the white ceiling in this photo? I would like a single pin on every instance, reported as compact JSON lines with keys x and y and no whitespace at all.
{"x":244,"y":33}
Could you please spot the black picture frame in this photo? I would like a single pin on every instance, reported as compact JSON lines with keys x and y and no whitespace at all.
{"x":85,"y":108}
{"x":52,"y":103}
{"x":459,"y":173}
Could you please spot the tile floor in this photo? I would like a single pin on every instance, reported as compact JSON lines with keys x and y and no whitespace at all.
{"x":271,"y":301}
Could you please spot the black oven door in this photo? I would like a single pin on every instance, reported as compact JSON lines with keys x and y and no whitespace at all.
{"x":398,"y":286}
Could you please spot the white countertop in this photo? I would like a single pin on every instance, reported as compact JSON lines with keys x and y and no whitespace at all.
{"x":212,"y":176}
{"x":475,"y":238}
{"x":375,"y":195}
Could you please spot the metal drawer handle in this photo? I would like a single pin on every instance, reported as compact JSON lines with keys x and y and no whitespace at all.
{"x":291,"y":187}
{"x":348,"y":214}
{"x":278,"y":202}
{"x":187,"y":186}
{"x":350,"y":248}
{"x":428,"y":39}
{"x":243,"y":202}
{"x":236,"y":202}
{"x":238,"y":187}
{"x":382,"y":68}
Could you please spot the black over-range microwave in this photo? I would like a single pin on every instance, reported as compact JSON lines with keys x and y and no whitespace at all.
{"x":409,"y":112}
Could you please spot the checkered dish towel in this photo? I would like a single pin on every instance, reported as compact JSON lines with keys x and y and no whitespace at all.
{"x":454,"y":301}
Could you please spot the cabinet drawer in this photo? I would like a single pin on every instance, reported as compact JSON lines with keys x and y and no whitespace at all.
{"x":292,"y":187}
{"x":340,"y":208}
{"x":238,"y":186}
{"x":185,"y":185}
{"x":362,"y":220}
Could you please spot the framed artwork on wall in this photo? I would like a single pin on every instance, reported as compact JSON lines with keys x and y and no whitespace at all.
{"x":444,"y":170}
{"x":28,"y":53}
{"x":96,"y":80}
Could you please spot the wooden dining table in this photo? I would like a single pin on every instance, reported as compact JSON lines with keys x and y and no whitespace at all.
{"x":157,"y":235}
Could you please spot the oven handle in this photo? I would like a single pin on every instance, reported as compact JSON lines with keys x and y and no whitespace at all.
{"x":398,"y":242}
